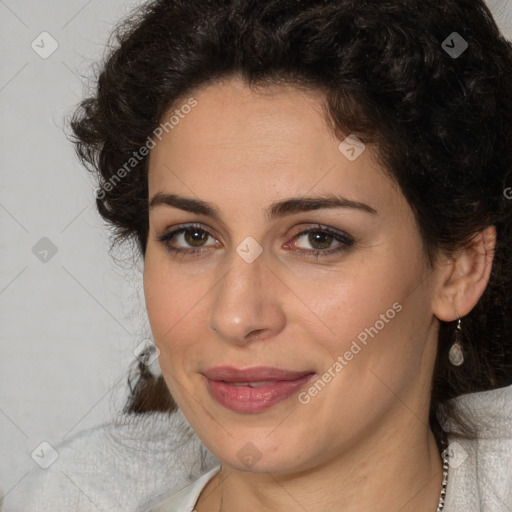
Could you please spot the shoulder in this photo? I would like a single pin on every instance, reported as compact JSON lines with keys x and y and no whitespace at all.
{"x":480,"y":467}
{"x":128,"y":464}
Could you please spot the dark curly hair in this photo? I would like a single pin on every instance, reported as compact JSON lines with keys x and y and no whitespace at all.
{"x":441,"y":125}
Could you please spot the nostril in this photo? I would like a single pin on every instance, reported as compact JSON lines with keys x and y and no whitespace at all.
{"x":256,"y":334}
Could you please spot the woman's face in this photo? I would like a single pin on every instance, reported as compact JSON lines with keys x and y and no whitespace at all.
{"x":350,"y":327}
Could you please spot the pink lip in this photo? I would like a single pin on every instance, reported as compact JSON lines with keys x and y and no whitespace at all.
{"x":283,"y":383}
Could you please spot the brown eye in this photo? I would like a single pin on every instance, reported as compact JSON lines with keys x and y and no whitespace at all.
{"x":188,"y":239}
{"x":324,"y":240}
{"x":195,"y":237}
{"x":321,"y":240}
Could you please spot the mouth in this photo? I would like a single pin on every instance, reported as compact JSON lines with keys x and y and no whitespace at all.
{"x":257,"y":384}
{"x":253,"y":389}
{"x":254,"y":374}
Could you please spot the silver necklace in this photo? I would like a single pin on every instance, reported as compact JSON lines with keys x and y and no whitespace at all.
{"x":444,"y":456}
{"x":442,"y":496}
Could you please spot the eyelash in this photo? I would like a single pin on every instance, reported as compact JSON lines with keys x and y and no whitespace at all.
{"x":345,"y":241}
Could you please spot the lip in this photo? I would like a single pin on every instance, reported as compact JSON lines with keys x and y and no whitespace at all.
{"x":253,"y":374}
{"x":281,"y":384}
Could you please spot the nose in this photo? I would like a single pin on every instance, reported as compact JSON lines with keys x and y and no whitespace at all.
{"x":247,"y":304}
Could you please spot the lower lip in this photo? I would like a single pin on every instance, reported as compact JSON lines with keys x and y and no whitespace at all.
{"x":248,"y":399}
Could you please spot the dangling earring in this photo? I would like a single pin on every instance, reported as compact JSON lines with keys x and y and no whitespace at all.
{"x":455,"y":355}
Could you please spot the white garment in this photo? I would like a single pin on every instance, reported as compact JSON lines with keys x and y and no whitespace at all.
{"x":185,"y":499}
{"x":124,"y":466}
{"x":134,"y":466}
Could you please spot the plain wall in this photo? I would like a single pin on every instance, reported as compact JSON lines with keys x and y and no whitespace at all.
{"x":69,"y":325}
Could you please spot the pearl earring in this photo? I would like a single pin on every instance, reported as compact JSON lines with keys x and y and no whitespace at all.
{"x":455,"y":355}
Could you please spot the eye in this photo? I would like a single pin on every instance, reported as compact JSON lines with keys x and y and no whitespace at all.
{"x":321,"y":239}
{"x":193,"y":235}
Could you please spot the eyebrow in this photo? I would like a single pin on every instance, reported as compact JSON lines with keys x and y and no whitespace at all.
{"x":275,"y":211}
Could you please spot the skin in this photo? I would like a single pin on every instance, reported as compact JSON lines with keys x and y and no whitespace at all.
{"x":363,"y":442}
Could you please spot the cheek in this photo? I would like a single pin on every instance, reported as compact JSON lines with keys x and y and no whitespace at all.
{"x":175,"y":305}
{"x":345,"y":302}
{"x":380,"y":346}
{"x":164,"y":299}
{"x":165,"y":307}
{"x":374,"y":312}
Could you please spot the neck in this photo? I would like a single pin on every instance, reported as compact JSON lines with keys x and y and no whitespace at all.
{"x":396,"y":469}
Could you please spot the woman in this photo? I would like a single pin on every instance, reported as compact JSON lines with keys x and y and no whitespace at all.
{"x":319,"y":190}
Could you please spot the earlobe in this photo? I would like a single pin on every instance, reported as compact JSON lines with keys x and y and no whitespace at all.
{"x":463,"y":278}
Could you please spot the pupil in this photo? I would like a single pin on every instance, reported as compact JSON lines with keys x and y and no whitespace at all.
{"x":192,"y":237}
{"x":317,"y":237}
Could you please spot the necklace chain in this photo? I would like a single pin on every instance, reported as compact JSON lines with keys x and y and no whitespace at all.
{"x":444,"y":456}
{"x":442,"y":496}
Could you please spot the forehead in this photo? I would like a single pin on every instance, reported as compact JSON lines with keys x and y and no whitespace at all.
{"x":273,"y":141}
{"x":230,"y":117}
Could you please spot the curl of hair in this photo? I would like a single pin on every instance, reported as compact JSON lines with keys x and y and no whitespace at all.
{"x":442,"y":127}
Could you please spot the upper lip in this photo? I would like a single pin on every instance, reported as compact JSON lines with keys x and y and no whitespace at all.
{"x":254,"y":374}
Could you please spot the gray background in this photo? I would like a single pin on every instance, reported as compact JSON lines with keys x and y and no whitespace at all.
{"x":69,"y":324}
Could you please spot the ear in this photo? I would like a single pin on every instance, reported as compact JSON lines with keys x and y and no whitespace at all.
{"x":463,"y":276}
